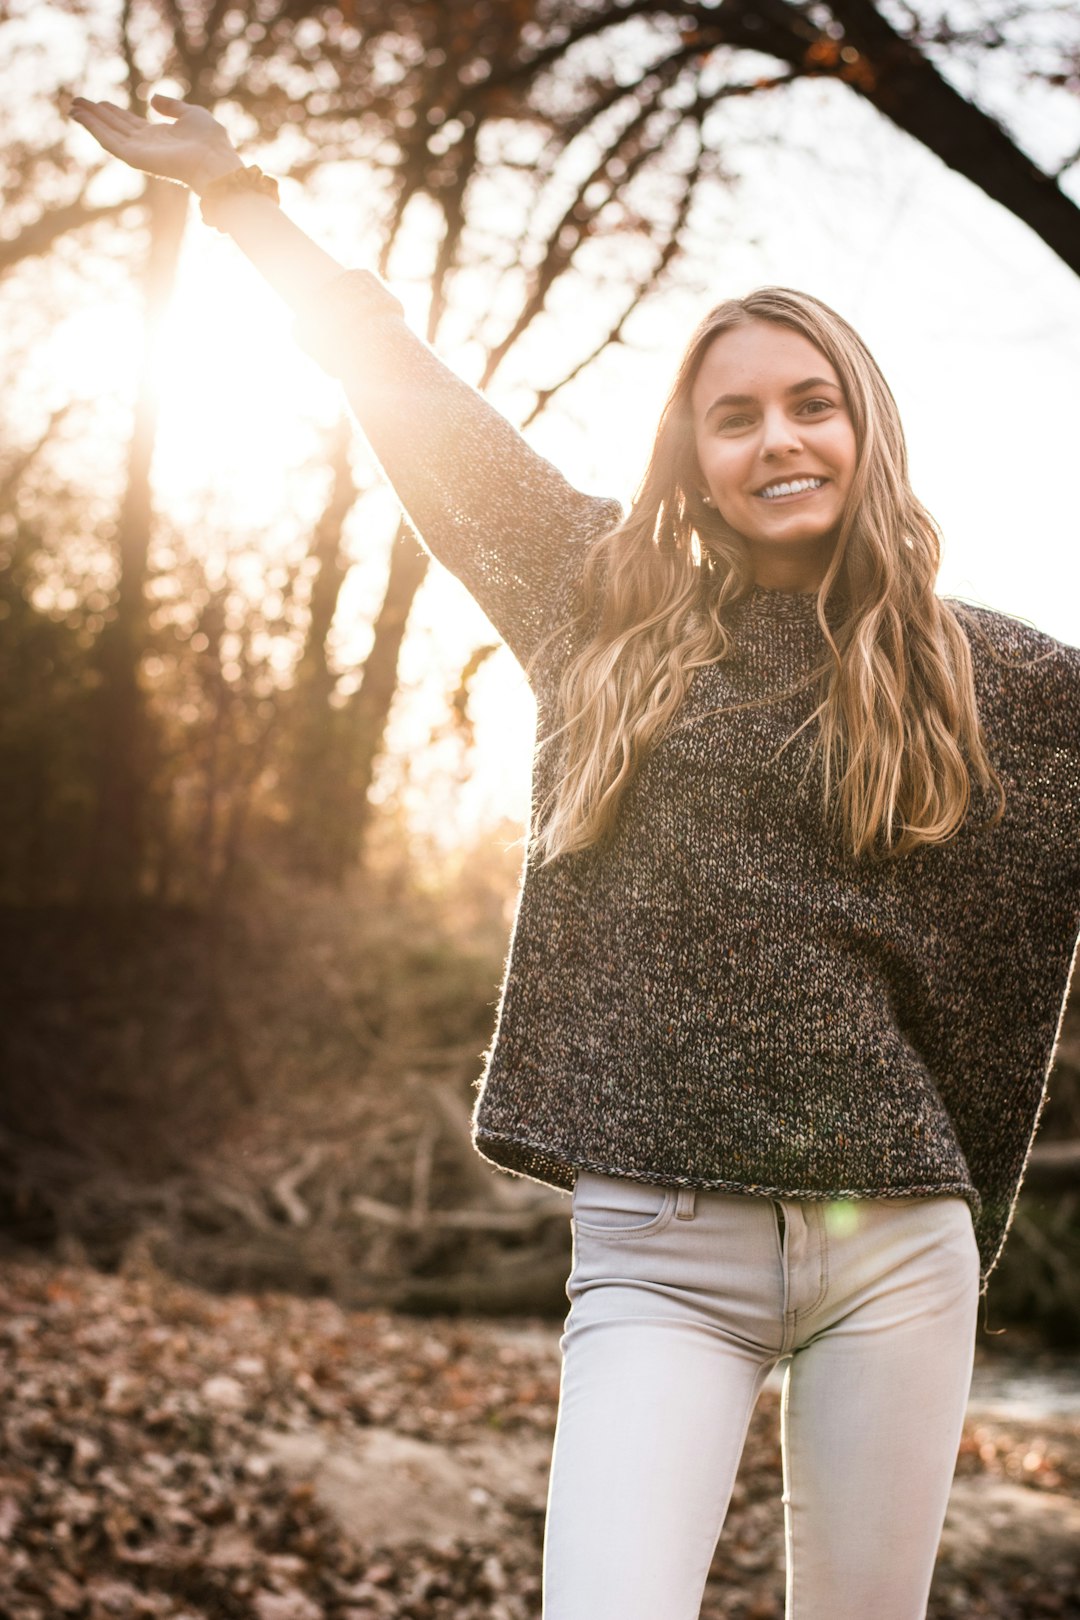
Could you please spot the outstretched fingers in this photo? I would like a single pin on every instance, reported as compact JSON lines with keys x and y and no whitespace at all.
{"x":105,"y":113}
{"x":106,"y":134}
{"x":180,"y":148}
{"x":111,"y":127}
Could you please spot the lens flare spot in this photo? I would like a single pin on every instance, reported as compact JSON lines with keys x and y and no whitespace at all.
{"x":841,"y":1219}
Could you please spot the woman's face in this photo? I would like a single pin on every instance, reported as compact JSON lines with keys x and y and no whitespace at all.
{"x":775,"y":444}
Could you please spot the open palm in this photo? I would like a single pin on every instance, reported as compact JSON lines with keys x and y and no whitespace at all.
{"x":193,"y":149}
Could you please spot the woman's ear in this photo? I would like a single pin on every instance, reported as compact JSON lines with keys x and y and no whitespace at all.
{"x":701,"y":488}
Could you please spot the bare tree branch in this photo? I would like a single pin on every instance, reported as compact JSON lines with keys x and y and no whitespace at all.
{"x":45,"y":231}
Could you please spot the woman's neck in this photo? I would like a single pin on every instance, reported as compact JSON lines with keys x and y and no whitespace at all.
{"x":800,"y":569}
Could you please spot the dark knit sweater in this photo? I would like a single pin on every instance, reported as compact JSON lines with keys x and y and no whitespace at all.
{"x":719,"y":998}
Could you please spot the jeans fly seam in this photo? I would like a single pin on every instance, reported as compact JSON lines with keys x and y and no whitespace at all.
{"x":824,"y":1261}
{"x":788,"y":1337}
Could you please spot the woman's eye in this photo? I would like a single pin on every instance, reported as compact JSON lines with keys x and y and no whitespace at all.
{"x":814,"y":407}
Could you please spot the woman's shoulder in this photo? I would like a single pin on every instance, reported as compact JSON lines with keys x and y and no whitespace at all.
{"x":1006,"y":634}
{"x":1022,"y":669}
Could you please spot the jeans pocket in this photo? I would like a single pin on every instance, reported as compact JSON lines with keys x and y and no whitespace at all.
{"x":618,"y":1207}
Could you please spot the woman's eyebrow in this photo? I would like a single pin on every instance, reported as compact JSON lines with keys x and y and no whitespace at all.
{"x":749,"y":399}
{"x":811,"y":382}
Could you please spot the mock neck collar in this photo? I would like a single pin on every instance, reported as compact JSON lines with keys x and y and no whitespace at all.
{"x":762,"y":605}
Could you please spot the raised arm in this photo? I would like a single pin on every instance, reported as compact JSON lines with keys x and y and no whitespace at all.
{"x":499,"y":516}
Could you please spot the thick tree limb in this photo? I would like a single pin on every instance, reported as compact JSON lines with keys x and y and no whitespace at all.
{"x":39,"y":236}
{"x":877,"y":62}
{"x":904,"y":84}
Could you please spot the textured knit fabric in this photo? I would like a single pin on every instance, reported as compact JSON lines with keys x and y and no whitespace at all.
{"x":719,"y":998}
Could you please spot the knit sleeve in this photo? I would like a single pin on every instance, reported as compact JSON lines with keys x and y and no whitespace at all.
{"x":494,"y":512}
{"x":1030,"y":684}
{"x":1028,"y":691}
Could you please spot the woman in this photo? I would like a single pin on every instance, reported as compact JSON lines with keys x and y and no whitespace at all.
{"x":794,"y":936}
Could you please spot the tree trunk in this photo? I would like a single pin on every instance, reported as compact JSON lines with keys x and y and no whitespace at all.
{"x":319,"y":794}
{"x":123,"y":766}
{"x":369,"y":710}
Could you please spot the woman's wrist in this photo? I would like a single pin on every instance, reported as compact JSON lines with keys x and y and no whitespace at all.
{"x":214,"y":167}
{"x":216,"y":202}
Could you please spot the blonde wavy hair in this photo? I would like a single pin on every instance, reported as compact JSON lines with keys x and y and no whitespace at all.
{"x":897,"y":727}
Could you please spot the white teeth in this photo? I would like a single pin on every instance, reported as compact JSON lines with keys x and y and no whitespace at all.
{"x":773,"y":491}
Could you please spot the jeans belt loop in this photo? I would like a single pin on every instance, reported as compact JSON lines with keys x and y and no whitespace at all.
{"x":684,"y":1204}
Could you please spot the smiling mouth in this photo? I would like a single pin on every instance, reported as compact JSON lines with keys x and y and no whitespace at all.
{"x":791,"y":489}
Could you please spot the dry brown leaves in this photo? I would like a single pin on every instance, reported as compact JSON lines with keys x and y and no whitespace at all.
{"x":135,"y":1478}
{"x":132,"y":1481}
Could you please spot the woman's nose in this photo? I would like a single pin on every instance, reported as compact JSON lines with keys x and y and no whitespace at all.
{"x":779,"y":434}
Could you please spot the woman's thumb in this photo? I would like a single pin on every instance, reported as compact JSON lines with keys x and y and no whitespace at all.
{"x":168,"y":105}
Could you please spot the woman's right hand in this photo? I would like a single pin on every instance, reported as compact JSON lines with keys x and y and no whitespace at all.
{"x":193,"y":149}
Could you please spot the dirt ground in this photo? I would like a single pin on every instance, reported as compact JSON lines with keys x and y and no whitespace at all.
{"x":171,"y":1453}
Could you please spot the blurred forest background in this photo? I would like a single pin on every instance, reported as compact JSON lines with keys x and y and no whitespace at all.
{"x":275,"y":1343}
{"x":253,"y":922}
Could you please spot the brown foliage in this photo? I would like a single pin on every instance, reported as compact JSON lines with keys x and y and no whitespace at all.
{"x":170,"y":1454}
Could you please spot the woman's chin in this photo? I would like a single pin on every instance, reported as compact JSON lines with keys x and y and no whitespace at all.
{"x":814,"y":535}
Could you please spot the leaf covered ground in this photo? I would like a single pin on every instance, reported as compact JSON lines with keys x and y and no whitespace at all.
{"x":171,"y":1453}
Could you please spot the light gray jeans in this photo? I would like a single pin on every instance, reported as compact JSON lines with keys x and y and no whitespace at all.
{"x":681,"y":1303}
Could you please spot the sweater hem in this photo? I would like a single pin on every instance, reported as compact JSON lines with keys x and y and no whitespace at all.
{"x":525,"y":1157}
{"x":531,"y":1159}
